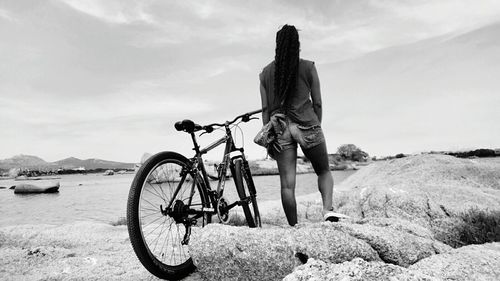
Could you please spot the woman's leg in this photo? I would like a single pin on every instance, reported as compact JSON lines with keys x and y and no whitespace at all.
{"x":287,"y":165}
{"x":318,"y":156}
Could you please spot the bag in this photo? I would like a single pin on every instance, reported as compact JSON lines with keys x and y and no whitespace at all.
{"x":266,"y":136}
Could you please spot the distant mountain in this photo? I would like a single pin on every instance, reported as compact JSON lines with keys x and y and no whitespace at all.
{"x":27,"y":161}
{"x":32,"y":162}
{"x":92,"y":163}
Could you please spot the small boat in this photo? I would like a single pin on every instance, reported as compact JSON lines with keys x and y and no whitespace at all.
{"x":49,"y":187}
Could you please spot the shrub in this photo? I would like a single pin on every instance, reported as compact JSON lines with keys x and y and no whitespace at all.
{"x":352,"y":152}
{"x":236,"y":219}
{"x":479,"y":226}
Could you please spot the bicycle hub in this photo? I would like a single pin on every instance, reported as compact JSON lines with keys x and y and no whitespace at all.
{"x":179,"y":212}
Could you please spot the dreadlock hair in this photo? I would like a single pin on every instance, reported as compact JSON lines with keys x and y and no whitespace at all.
{"x":286,"y":62}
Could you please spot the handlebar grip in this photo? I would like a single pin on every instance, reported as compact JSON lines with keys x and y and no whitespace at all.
{"x":255,"y":111}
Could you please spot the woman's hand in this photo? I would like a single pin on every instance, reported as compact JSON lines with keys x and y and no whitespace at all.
{"x":316,"y":93}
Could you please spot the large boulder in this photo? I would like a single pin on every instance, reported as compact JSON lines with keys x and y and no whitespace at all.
{"x":222,"y":252}
{"x":40,"y":187}
{"x":430,"y":190}
{"x":473,"y":262}
{"x":394,"y":246}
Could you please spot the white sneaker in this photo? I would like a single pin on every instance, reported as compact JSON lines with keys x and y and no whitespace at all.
{"x":334,"y":217}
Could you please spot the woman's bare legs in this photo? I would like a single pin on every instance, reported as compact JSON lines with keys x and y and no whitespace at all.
{"x":318,"y":156}
{"x":287,"y":165}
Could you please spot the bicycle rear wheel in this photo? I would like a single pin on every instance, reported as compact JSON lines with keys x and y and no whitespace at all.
{"x":246,"y":192}
{"x":155,"y":236}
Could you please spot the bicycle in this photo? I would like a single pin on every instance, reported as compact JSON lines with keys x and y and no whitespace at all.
{"x":171,"y":193}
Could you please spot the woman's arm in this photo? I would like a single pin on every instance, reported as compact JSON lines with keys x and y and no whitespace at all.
{"x":263,"y":97}
{"x":316,"y":93}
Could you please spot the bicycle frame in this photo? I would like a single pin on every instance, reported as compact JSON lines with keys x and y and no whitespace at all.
{"x":198,"y":165}
{"x":225,"y":163}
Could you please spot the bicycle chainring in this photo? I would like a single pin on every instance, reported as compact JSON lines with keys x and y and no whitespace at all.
{"x":222,"y":212}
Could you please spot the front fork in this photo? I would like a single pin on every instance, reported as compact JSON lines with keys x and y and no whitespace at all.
{"x":246,"y":167}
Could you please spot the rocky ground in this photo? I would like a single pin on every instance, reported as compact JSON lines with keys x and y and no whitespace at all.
{"x":406,"y":225}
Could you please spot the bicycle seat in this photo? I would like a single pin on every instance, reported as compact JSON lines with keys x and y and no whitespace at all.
{"x":187,"y":126}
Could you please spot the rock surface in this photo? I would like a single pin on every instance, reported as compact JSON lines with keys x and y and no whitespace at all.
{"x":395,"y":246}
{"x":476,"y":262}
{"x":400,"y":209}
{"x":473,"y":262}
{"x":79,"y":251}
{"x":222,"y":252}
{"x":357,"y":269}
{"x":422,"y":188}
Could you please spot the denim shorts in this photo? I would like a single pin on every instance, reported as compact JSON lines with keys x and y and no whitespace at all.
{"x":306,"y":136}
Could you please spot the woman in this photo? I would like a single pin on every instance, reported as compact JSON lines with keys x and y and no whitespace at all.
{"x":290,"y":92}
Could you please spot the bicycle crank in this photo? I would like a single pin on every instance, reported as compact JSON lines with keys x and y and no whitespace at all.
{"x":222,"y":210}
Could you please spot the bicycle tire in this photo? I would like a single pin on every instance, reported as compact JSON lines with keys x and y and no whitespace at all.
{"x":244,"y":186}
{"x":147,"y":192}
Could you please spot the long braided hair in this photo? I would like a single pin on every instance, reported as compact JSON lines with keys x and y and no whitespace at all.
{"x":286,"y":62}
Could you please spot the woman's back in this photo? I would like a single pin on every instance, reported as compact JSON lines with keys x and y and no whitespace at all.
{"x":299,"y":107}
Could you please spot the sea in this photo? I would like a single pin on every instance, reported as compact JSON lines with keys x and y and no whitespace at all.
{"x":100,"y":198}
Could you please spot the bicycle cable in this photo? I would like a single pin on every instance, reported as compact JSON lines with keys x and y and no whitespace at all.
{"x":242,"y":134}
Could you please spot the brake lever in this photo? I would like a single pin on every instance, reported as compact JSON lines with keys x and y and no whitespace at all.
{"x":253,"y":118}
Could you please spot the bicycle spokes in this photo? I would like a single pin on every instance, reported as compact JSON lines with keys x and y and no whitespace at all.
{"x":164,"y":225}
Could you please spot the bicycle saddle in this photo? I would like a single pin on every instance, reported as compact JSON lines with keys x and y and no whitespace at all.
{"x":187,"y":126}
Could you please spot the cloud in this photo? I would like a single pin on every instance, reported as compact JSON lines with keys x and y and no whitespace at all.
{"x":6,"y":15}
{"x":90,"y":65}
{"x":117,"y":12}
{"x":438,"y":17}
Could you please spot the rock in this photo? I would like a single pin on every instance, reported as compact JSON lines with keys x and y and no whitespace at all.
{"x":108,"y":173}
{"x":394,"y":246}
{"x":78,"y":251}
{"x":42,"y":187}
{"x":222,"y":252}
{"x":357,"y":269}
{"x":473,"y":262}
{"x":392,"y":241}
{"x":429,"y":190}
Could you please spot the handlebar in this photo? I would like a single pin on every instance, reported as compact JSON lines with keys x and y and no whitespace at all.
{"x":191,"y":127}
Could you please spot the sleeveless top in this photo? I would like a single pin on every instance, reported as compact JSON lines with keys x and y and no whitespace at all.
{"x":298,"y":105}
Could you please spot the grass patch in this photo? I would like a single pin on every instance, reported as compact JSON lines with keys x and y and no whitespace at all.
{"x":478,"y":227}
{"x":237,"y":220}
{"x":120,"y":221}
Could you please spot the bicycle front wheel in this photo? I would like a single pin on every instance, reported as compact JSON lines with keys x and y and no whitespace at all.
{"x":155,"y":235}
{"x":246,"y":192}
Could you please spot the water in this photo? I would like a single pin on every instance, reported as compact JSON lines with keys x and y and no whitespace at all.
{"x":95,"y":197}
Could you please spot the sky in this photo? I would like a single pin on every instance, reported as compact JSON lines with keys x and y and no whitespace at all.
{"x":109,"y":78}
